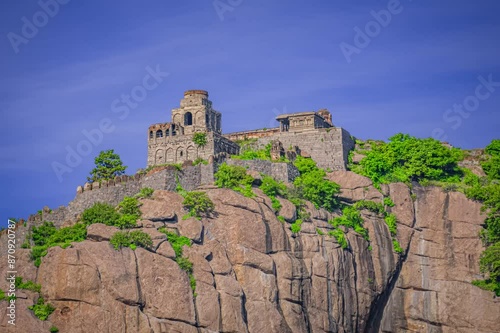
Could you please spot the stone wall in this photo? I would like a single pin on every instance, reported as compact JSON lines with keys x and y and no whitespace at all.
{"x":190,"y":178}
{"x":180,"y":148}
{"x":254,"y":134}
{"x":112,"y":192}
{"x":285,"y":172}
{"x":329,"y":147}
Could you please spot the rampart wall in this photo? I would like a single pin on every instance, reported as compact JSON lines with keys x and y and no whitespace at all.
{"x":164,"y":178}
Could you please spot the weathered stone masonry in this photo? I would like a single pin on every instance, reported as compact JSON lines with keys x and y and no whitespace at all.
{"x":189,"y":177}
{"x":312,"y":132}
{"x":306,"y":133}
{"x":172,"y":142}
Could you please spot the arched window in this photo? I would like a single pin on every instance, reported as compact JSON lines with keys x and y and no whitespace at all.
{"x":150,"y":134}
{"x":188,"y":118}
{"x":167,"y":132}
{"x":159,"y":134}
{"x":173,"y":130}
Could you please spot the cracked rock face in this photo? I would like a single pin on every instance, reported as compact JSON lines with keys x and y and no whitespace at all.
{"x":253,"y":275}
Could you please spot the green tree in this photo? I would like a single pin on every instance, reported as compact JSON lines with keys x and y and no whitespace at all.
{"x":107,"y":166}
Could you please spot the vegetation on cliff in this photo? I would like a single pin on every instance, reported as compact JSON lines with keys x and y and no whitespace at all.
{"x":487,"y":190}
{"x":178,"y":242}
{"x":198,"y":204}
{"x":427,"y":161}
{"x":311,"y":185}
{"x":131,"y":239}
{"x":124,"y":216}
{"x":406,"y":158}
{"x":235,"y":178}
{"x":47,"y":235}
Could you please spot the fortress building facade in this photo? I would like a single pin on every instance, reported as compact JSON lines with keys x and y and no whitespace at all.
{"x":172,"y":142}
{"x":308,"y":133}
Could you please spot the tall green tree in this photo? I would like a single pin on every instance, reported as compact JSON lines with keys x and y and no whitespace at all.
{"x":108,"y":165}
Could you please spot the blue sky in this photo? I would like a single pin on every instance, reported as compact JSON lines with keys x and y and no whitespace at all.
{"x":256,"y":58}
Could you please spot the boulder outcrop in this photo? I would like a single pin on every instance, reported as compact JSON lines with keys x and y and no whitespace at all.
{"x":253,"y":275}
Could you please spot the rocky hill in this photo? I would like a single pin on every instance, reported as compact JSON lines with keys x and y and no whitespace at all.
{"x":252,"y":274}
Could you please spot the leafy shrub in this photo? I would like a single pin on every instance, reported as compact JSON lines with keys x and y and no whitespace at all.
{"x":491,"y":233}
{"x":396,"y":246}
{"x":100,"y":213}
{"x":26,"y":244}
{"x":492,"y":167}
{"x":199,"y":204}
{"x":192,"y":283}
{"x":391,"y":222}
{"x":47,"y":236}
{"x":41,"y":234}
{"x":235,"y":178}
{"x":28,"y":285}
{"x":320,"y":232}
{"x":490,"y":264}
{"x":200,"y":139}
{"x":41,"y":310}
{"x":388,"y":202}
{"x":126,"y":221}
{"x":53,"y":329}
{"x":351,"y":218}
{"x":185,"y":264}
{"x":372,"y":206}
{"x":2,"y":295}
{"x":145,"y":192}
{"x":281,"y":219}
{"x":405,"y":158}
{"x":488,"y":284}
{"x":129,"y":206}
{"x":176,"y":241}
{"x":312,"y":186}
{"x":252,"y":154}
{"x":127,"y":238}
{"x":339,"y":235}
{"x":120,"y":239}
{"x":200,"y":160}
{"x":272,"y":188}
{"x":296,"y":226}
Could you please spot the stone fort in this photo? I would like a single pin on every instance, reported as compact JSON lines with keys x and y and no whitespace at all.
{"x":310,"y":134}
